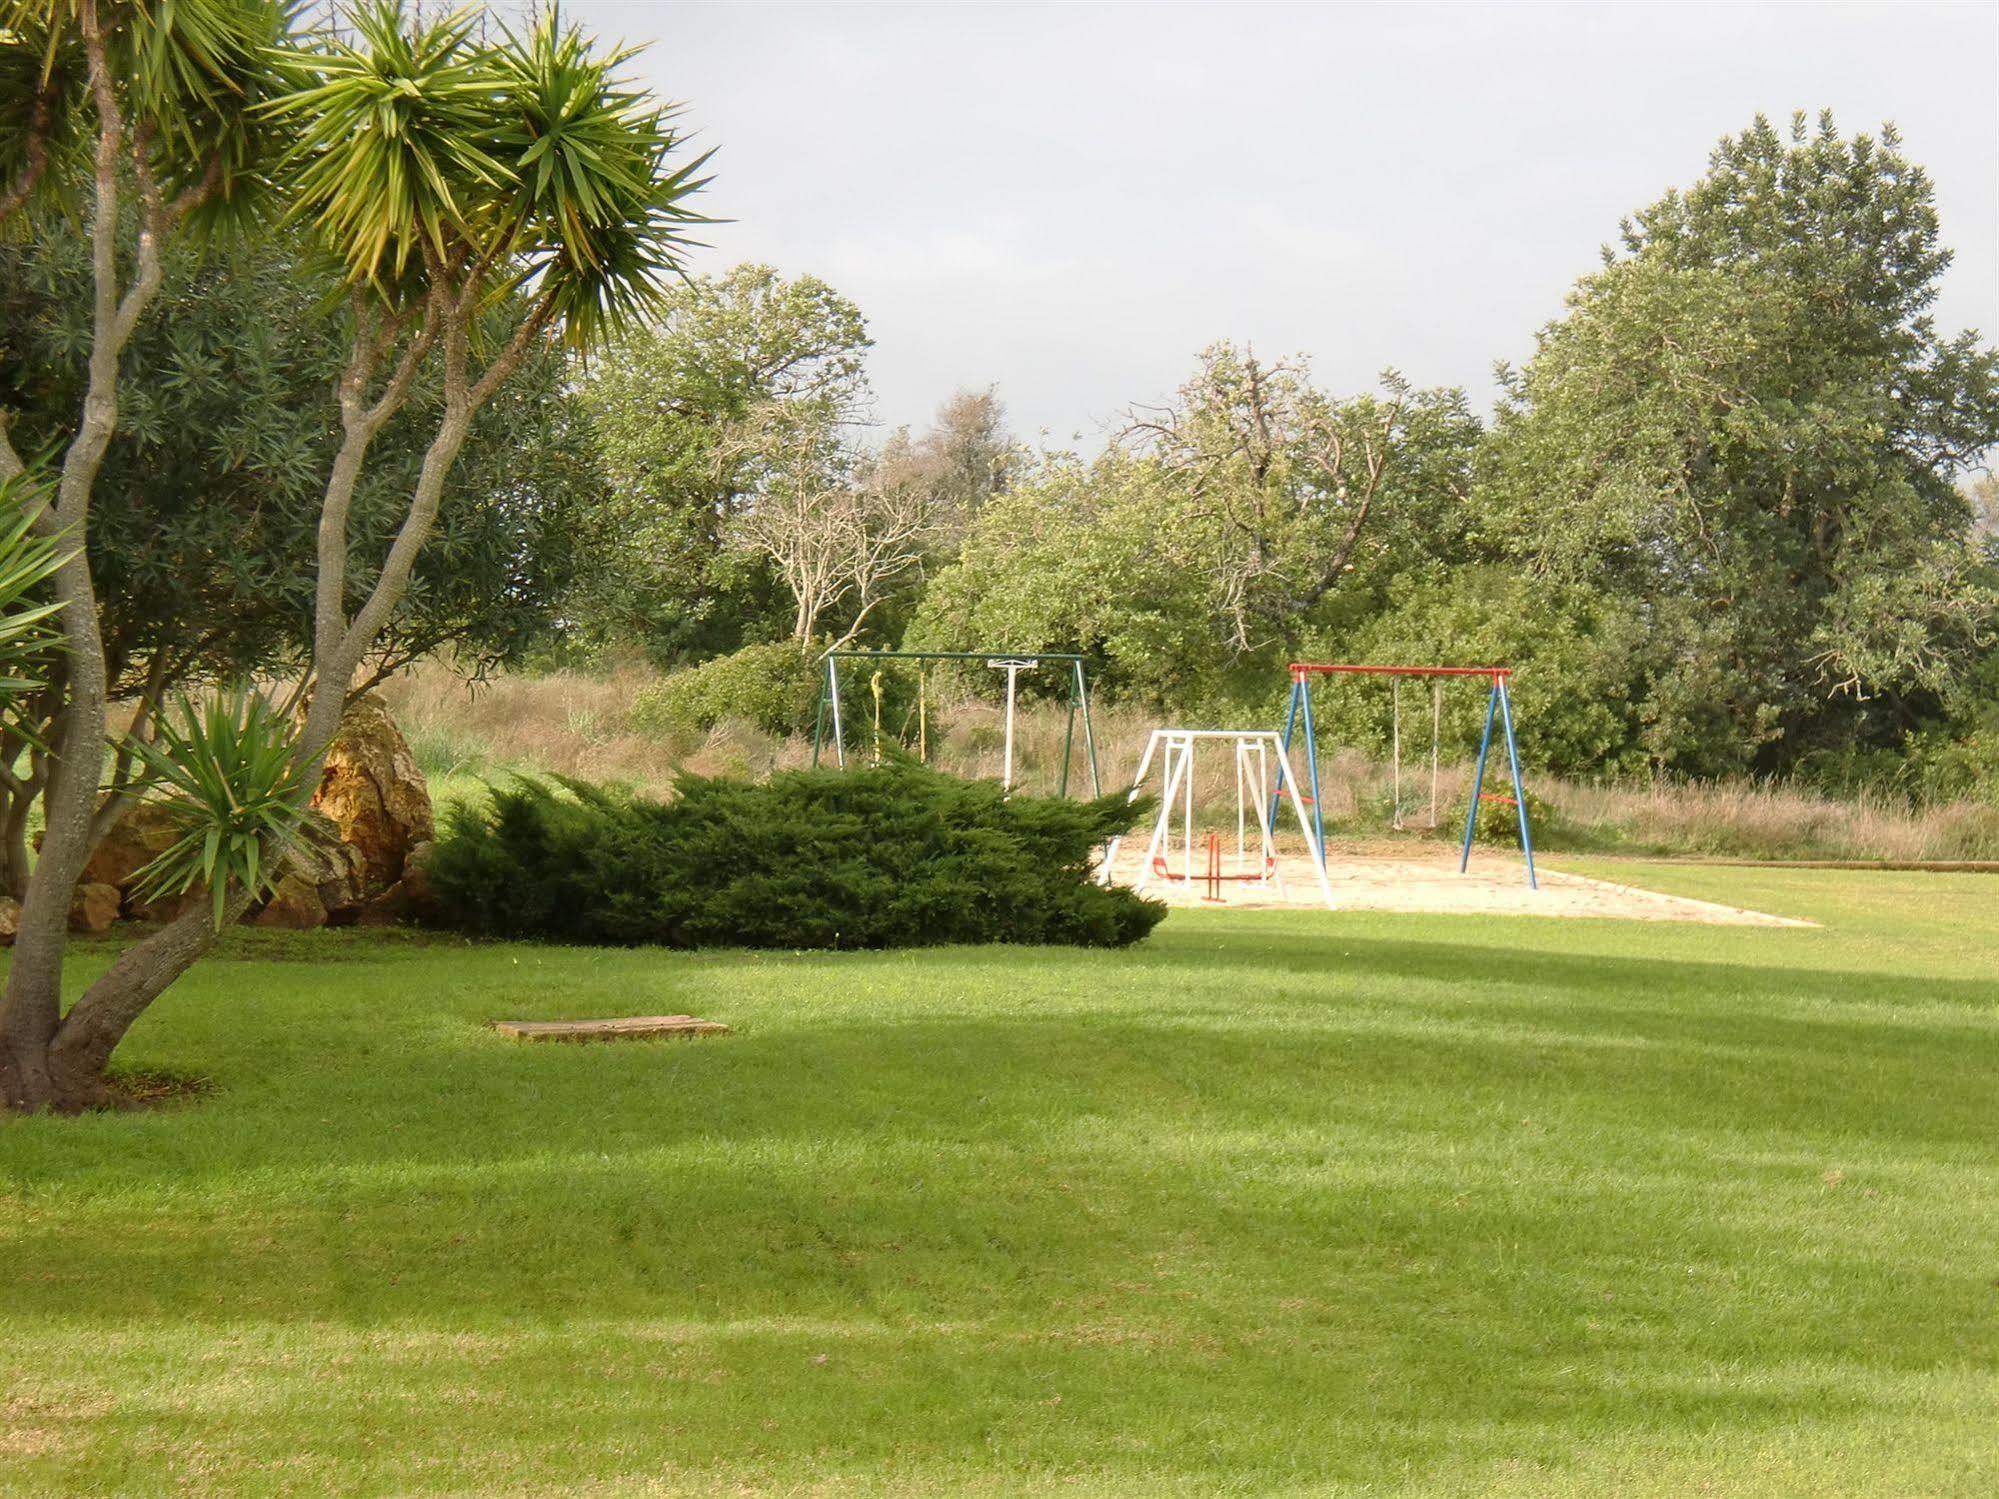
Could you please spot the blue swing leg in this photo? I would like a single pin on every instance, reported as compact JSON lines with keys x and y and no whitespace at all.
{"x":1519,"y":796}
{"x":1478,"y":778}
{"x":1312,"y":770}
{"x":1284,"y":760}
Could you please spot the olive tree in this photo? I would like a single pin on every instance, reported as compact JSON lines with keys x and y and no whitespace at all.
{"x":204,"y":513}
{"x":444,"y":168}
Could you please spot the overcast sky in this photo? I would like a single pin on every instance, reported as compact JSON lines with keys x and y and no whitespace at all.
{"x":1067,"y":201}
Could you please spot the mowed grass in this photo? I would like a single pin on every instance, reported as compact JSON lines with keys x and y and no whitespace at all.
{"x":1276,"y":1203}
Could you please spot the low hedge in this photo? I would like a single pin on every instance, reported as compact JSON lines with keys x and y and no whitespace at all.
{"x":894,"y":856}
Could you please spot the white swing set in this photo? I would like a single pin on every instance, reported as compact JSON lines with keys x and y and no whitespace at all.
{"x":1258,"y":755}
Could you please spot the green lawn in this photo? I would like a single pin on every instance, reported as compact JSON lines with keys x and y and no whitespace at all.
{"x":1275,"y":1203}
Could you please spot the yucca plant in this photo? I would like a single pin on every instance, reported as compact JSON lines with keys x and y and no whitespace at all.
{"x":225,"y":773}
{"x":28,"y":558}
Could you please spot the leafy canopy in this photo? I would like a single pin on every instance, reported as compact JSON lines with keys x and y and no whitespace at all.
{"x":1748,"y":435}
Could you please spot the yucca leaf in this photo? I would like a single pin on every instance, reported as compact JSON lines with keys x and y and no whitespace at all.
{"x":225,"y":773}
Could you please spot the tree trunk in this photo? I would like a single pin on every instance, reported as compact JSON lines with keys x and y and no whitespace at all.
{"x":75,"y":1053}
{"x":31,"y":1007}
{"x":81,"y":1050}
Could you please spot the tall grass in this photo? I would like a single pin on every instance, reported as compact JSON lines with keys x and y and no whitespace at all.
{"x":576,"y":724}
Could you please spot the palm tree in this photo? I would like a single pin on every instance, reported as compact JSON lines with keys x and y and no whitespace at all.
{"x":447,"y":168}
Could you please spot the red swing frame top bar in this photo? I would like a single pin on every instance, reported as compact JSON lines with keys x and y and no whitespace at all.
{"x":1301,"y":669}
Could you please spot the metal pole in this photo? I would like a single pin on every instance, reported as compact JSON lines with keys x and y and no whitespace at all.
{"x":1319,"y":853}
{"x":1312,"y":769}
{"x":1478,"y":779}
{"x":1137,"y":785}
{"x":1187,"y":781}
{"x":833,"y":692}
{"x":1266,"y":853}
{"x":1012,"y":680}
{"x":1089,"y":733}
{"x":1068,"y":744}
{"x":1173,"y":769}
{"x":1241,"y":770}
{"x":1519,"y":795}
{"x":1290,"y":718}
{"x":1266,"y":830}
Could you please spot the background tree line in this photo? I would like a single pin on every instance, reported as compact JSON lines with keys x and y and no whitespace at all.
{"x":1729,"y":517}
{"x":1726,"y":519}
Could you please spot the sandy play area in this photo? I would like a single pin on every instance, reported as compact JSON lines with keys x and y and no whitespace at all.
{"x":1413,"y":876}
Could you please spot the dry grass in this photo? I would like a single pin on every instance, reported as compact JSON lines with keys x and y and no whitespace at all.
{"x":576,"y":724}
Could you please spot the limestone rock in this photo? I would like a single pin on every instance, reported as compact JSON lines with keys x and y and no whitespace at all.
{"x":409,"y":899}
{"x":294,"y":906}
{"x":166,"y":907}
{"x":94,"y":907}
{"x":146,"y":831}
{"x":374,"y":792}
{"x":416,"y":879}
{"x":335,"y":868}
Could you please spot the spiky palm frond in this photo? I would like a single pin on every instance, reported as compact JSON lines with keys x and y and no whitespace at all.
{"x":393,"y":151}
{"x":527,"y":160}
{"x":188,"y":76}
{"x":604,"y":217}
{"x":225,"y":773}
{"x":28,"y":558}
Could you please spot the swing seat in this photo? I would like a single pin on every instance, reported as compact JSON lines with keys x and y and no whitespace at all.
{"x":1501,"y":798}
{"x":1161,"y":872}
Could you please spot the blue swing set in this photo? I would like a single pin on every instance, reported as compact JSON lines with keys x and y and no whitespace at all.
{"x":1499,"y":705}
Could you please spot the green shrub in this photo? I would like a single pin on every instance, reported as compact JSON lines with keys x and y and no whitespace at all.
{"x":1498,"y":822}
{"x":896,"y":856}
{"x":775,"y":687}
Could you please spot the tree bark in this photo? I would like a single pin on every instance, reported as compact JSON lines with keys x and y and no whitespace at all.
{"x":77,"y":1051}
{"x":31,"y":1006}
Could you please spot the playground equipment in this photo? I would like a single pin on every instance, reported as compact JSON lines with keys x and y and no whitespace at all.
{"x":1499,"y":704}
{"x":1257,"y":793}
{"x":831,"y":726}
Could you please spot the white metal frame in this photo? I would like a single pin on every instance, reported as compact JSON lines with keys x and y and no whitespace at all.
{"x":1253,"y":751}
{"x":1013,"y":666}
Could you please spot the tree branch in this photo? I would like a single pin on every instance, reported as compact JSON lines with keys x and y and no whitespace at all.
{"x":37,"y":155}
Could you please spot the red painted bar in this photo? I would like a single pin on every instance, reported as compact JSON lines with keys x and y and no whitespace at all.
{"x":1299,"y":669}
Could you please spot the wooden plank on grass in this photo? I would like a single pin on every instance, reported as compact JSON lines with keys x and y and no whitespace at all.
{"x":625,"y":1028}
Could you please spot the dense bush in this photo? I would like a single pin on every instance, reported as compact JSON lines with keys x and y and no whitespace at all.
{"x":896,"y":856}
{"x":775,"y":687}
{"x":1498,"y":821}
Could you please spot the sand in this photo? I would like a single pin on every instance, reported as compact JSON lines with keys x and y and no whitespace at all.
{"x":1423,"y":877}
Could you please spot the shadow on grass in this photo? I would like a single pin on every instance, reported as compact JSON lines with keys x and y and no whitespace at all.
{"x":1304,"y":1207}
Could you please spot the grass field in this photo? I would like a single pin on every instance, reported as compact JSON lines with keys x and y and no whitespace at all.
{"x":1275,"y":1203}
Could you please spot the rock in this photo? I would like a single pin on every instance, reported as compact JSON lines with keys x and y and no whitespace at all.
{"x":409,"y":899}
{"x":321,"y":880}
{"x":10,"y":920}
{"x":167,"y":907}
{"x":293,"y":906}
{"x":94,"y":907}
{"x":374,"y":792}
{"x":390,"y":908}
{"x":146,"y":831}
{"x":416,"y":880}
